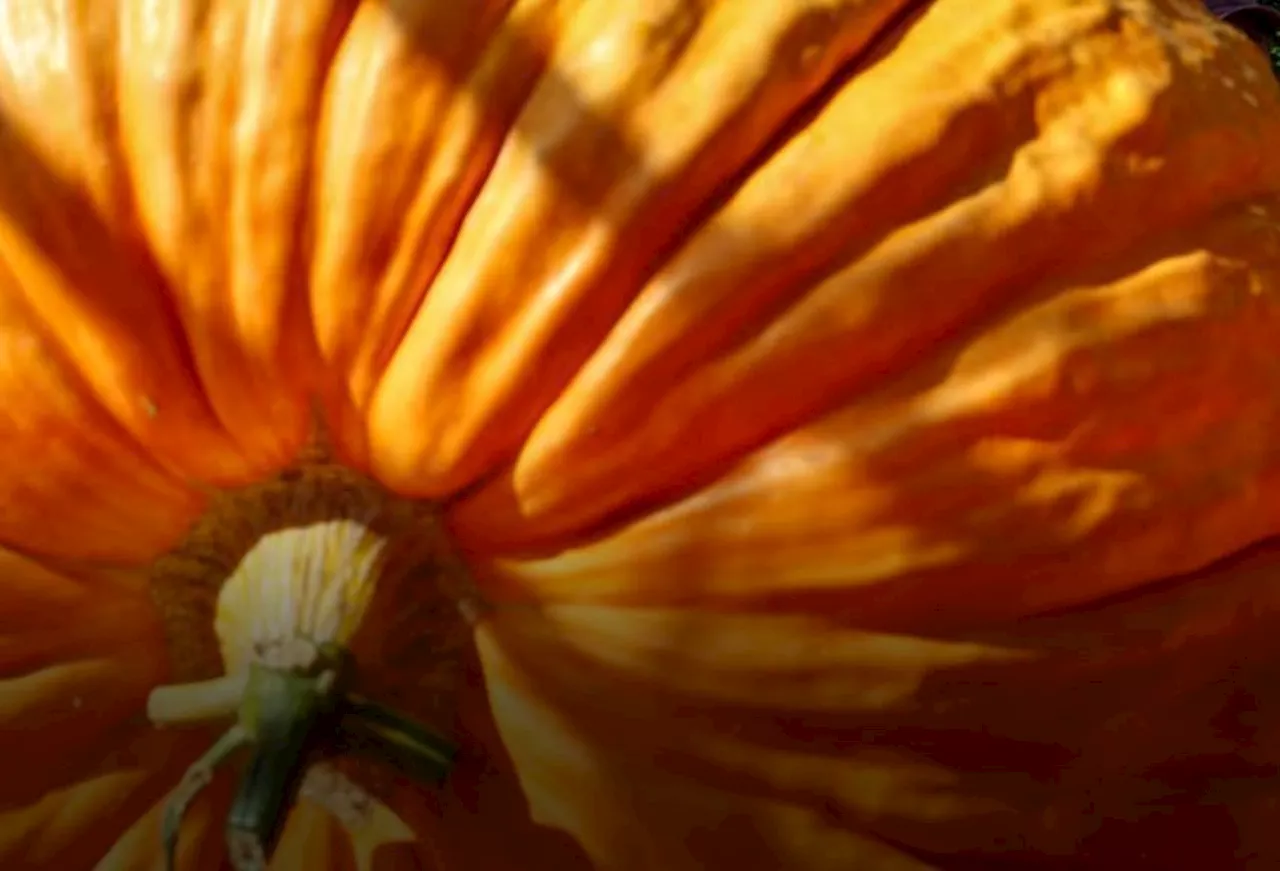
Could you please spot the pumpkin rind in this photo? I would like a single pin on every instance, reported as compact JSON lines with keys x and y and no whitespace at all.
{"x":78,"y":655}
{"x":877,"y":242}
{"x":1017,"y":472}
{"x":420,"y":96}
{"x":798,"y":364}
{"x":1133,"y":733}
{"x":219,"y":163}
{"x":645,"y":112}
{"x":71,"y":241}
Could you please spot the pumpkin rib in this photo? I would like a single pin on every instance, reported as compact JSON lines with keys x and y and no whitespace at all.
{"x":79,"y":825}
{"x":431,"y":150}
{"x":591,"y":165}
{"x":200,"y":847}
{"x":827,"y":532}
{"x":491,"y":518}
{"x":77,"y":658}
{"x":844,"y":766}
{"x":825,"y":644}
{"x":87,"y":712}
{"x":137,"y":507}
{"x":891,"y":31}
{"x":67,"y":235}
{"x":705,"y":212}
{"x":890,"y":22}
{"x":74,"y":131}
{"x":218,"y":166}
{"x":614,"y":441}
{"x":573,"y":779}
{"x":60,"y":832}
{"x":90,"y":621}
{"x":1098,"y":691}
{"x":485,"y":798}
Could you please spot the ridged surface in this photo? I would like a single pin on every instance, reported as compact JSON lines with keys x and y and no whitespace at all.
{"x":852,"y":408}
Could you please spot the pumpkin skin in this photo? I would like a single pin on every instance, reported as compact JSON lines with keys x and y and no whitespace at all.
{"x":856,"y":414}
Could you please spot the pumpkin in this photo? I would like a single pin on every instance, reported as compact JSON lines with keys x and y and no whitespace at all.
{"x":695,"y":434}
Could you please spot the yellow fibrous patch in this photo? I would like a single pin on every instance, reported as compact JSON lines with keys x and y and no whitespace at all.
{"x":312,"y":582}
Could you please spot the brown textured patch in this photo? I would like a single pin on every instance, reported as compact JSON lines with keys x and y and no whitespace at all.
{"x":407,"y":649}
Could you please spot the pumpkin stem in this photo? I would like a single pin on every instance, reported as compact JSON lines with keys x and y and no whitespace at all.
{"x":287,"y":715}
{"x":371,"y":729}
{"x":198,"y":776}
{"x":205,"y":701}
{"x":282,"y":708}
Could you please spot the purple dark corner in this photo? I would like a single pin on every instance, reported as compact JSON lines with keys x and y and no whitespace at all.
{"x":1230,"y":10}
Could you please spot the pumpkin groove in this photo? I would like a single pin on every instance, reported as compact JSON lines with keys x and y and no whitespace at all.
{"x":679,"y":360}
{"x":531,"y":308}
{"x":801,"y":383}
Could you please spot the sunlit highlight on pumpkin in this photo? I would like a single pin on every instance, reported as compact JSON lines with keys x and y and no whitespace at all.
{"x":718,"y":434}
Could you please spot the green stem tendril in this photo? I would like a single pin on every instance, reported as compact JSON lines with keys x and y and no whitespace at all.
{"x":198,"y":776}
{"x":281,"y":709}
{"x":287,"y":717}
{"x":373,"y":730}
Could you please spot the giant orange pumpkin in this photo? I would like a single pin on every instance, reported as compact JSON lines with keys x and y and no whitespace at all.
{"x":762,"y":434}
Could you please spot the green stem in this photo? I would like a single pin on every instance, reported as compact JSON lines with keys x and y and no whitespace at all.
{"x":198,"y":776}
{"x":376,"y":730}
{"x":287,"y":716}
{"x":282,"y":710}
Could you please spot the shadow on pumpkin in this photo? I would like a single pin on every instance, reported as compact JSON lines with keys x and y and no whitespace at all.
{"x":1080,"y":716}
{"x":1037,"y":718}
{"x":1130,"y":732}
{"x":73,"y":235}
{"x":1133,"y":730}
